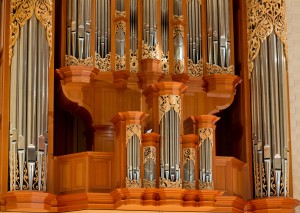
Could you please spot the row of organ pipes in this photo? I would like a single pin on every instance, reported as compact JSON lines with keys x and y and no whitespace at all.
{"x":270,"y":119}
{"x":218,"y":31}
{"x":29,"y":108}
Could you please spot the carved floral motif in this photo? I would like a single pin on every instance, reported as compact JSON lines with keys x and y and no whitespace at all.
{"x":149,"y":154}
{"x":149,"y":51}
{"x":149,"y":184}
{"x":166,"y":102}
{"x":215,"y":69}
{"x":205,"y":133}
{"x":206,"y":185}
{"x":189,"y":185}
{"x":134,"y":65}
{"x":165,"y":63}
{"x":133,"y":183}
{"x":195,"y":70}
{"x":120,"y":62}
{"x":103,"y":64}
{"x":73,"y":61}
{"x":131,"y":130}
{"x":264,"y":16}
{"x":164,"y":183}
{"x":179,"y":66}
{"x":21,"y":11}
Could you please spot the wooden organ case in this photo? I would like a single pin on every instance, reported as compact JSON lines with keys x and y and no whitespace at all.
{"x":144,"y":98}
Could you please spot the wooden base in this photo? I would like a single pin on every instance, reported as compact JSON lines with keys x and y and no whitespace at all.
{"x":141,"y":199}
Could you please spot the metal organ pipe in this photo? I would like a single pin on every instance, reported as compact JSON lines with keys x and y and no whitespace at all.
{"x":218,"y":32}
{"x":29,"y":107}
{"x":269,"y":119}
{"x":149,"y":22}
{"x":194,"y":30}
{"x":165,"y":26}
{"x":78,"y":28}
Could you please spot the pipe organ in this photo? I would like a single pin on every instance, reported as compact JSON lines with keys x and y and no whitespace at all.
{"x":269,"y":101}
{"x":180,"y":25}
{"x":147,"y":79}
{"x":270,"y":119}
{"x":28,"y":118}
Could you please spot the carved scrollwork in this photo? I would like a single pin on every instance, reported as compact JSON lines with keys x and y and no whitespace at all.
{"x":178,"y":30}
{"x":21,"y":11}
{"x":120,"y":62}
{"x":121,"y":25}
{"x":103,"y":64}
{"x":206,"y":185}
{"x":189,"y":185}
{"x":215,"y":69}
{"x":178,"y":18}
{"x":149,"y":51}
{"x":120,"y":14}
{"x":133,"y":183}
{"x":264,"y":16}
{"x":149,"y":184}
{"x":189,"y":155}
{"x":134,"y":65}
{"x":179,"y":66}
{"x":73,"y":61}
{"x":205,"y":133}
{"x":166,"y":102}
{"x":149,"y":153}
{"x":165,"y":63}
{"x":164,"y":183}
{"x":131,"y":130}
{"x":195,"y":70}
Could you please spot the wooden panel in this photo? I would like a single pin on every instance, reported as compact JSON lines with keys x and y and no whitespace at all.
{"x":109,"y":108}
{"x":86,"y":171}
{"x":220,"y":178}
{"x":230,"y":175}
{"x":100,"y":174}
{"x":79,"y":174}
{"x":65,"y":177}
{"x":104,"y":143}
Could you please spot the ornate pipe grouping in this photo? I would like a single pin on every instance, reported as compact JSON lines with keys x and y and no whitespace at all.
{"x":29,"y":101}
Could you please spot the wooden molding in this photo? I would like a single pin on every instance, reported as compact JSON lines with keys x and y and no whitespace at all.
{"x":141,"y":199}
{"x":150,"y":73}
{"x":77,"y":74}
{"x":120,"y":79}
{"x":221,"y":85}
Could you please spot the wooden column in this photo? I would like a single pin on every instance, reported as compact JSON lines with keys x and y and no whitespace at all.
{"x":206,"y":130}
{"x":127,"y":124}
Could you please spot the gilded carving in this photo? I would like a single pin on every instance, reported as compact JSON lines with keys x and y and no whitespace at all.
{"x":149,"y":184}
{"x":149,"y":51}
{"x":164,"y":183}
{"x":165,"y":63}
{"x":215,"y":69}
{"x":195,"y":70}
{"x":120,"y":62}
{"x":206,"y":185}
{"x":264,"y":16}
{"x":133,"y":183}
{"x":134,"y":65}
{"x":103,"y":64}
{"x":149,"y":153}
{"x":178,"y":30}
{"x":179,"y":66}
{"x":120,"y":14}
{"x":21,"y":11}
{"x":121,"y":25}
{"x":205,"y":133}
{"x":189,"y":155}
{"x":131,"y":130}
{"x":189,"y":185}
{"x":73,"y":61}
{"x":166,"y":102}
